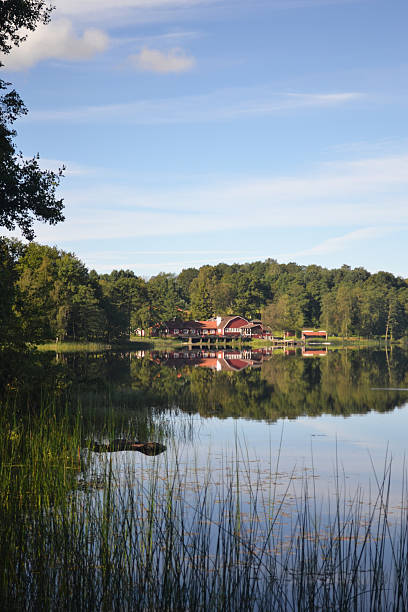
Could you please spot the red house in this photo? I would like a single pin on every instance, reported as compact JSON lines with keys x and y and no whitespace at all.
{"x":310,"y":334}
{"x":230,"y":327}
{"x":177,"y":328}
{"x":233,"y":326}
{"x":255,"y":329}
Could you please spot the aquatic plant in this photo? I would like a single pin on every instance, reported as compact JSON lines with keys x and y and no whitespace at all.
{"x":90,"y":531}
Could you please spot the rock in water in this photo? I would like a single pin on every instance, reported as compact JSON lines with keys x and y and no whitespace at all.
{"x":121,"y":444}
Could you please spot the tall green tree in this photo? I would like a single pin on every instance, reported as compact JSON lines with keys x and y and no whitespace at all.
{"x":164,"y":296}
{"x":202,"y":294}
{"x":123,"y":295}
{"x":10,"y":251}
{"x":56,"y":297}
{"x":284,"y":313}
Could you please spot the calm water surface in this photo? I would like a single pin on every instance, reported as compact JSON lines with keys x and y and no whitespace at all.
{"x":329,"y":415}
{"x":267,"y":454}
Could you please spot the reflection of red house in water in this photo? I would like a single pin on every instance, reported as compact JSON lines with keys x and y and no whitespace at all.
{"x":226,"y":361}
{"x":308,"y":352}
{"x":220,"y":361}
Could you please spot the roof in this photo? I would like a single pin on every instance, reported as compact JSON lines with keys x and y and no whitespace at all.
{"x":208,"y":362}
{"x":233,"y":364}
{"x":310,"y":332}
{"x":180,"y":324}
{"x":252,"y":325}
{"x":211,"y":324}
{"x":225,"y":320}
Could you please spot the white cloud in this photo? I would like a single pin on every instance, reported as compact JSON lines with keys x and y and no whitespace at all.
{"x":57,"y":40}
{"x":215,"y":106}
{"x":153,"y":60}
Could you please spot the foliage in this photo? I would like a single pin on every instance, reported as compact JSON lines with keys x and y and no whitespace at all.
{"x":48,"y":294}
{"x":16,"y":16}
{"x":27,"y":192}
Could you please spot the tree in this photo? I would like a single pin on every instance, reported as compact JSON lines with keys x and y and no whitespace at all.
{"x":184,"y":280}
{"x":249,"y":292}
{"x":88,"y":320}
{"x":202,"y":294}
{"x":56,"y":297}
{"x":26,"y":192}
{"x":17,"y":15}
{"x":10,"y":250}
{"x":285,"y":312}
{"x":329,"y":312}
{"x":123,"y":296}
{"x":164,"y":296}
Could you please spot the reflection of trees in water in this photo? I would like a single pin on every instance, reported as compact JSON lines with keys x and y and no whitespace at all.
{"x":141,"y":390}
{"x":340,"y":384}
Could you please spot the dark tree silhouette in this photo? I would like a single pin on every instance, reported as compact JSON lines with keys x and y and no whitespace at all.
{"x":26,"y":191}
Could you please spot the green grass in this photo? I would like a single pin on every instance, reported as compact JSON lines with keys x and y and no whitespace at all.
{"x":134,"y":344}
{"x":73,"y":347}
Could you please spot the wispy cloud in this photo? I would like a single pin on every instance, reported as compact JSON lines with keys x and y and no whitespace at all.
{"x":130,"y":11}
{"x":164,"y":37}
{"x":215,"y":106}
{"x":164,"y":62}
{"x":151,"y":267}
{"x":58,"y":40}
{"x":142,"y":11}
{"x":75,"y":7}
{"x":365,"y":195}
{"x":340,"y":243}
{"x":71,"y":168}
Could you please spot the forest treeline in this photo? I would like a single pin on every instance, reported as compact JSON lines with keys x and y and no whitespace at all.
{"x":48,"y":293}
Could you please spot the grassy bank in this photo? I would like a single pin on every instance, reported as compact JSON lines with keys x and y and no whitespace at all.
{"x":73,"y":347}
{"x":134,"y":344}
{"x":166,"y":344}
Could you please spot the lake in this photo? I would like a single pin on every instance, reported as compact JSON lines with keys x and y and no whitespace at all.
{"x":284,"y":467}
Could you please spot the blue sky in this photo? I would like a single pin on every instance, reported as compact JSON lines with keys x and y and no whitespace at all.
{"x":200,"y":131}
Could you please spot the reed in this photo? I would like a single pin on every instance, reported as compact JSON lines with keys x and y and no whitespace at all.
{"x":90,"y":531}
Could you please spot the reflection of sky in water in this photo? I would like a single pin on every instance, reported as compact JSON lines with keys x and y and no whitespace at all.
{"x":358,"y":444}
{"x":356,"y":440}
{"x":225,"y":466}
{"x":221,"y":471}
